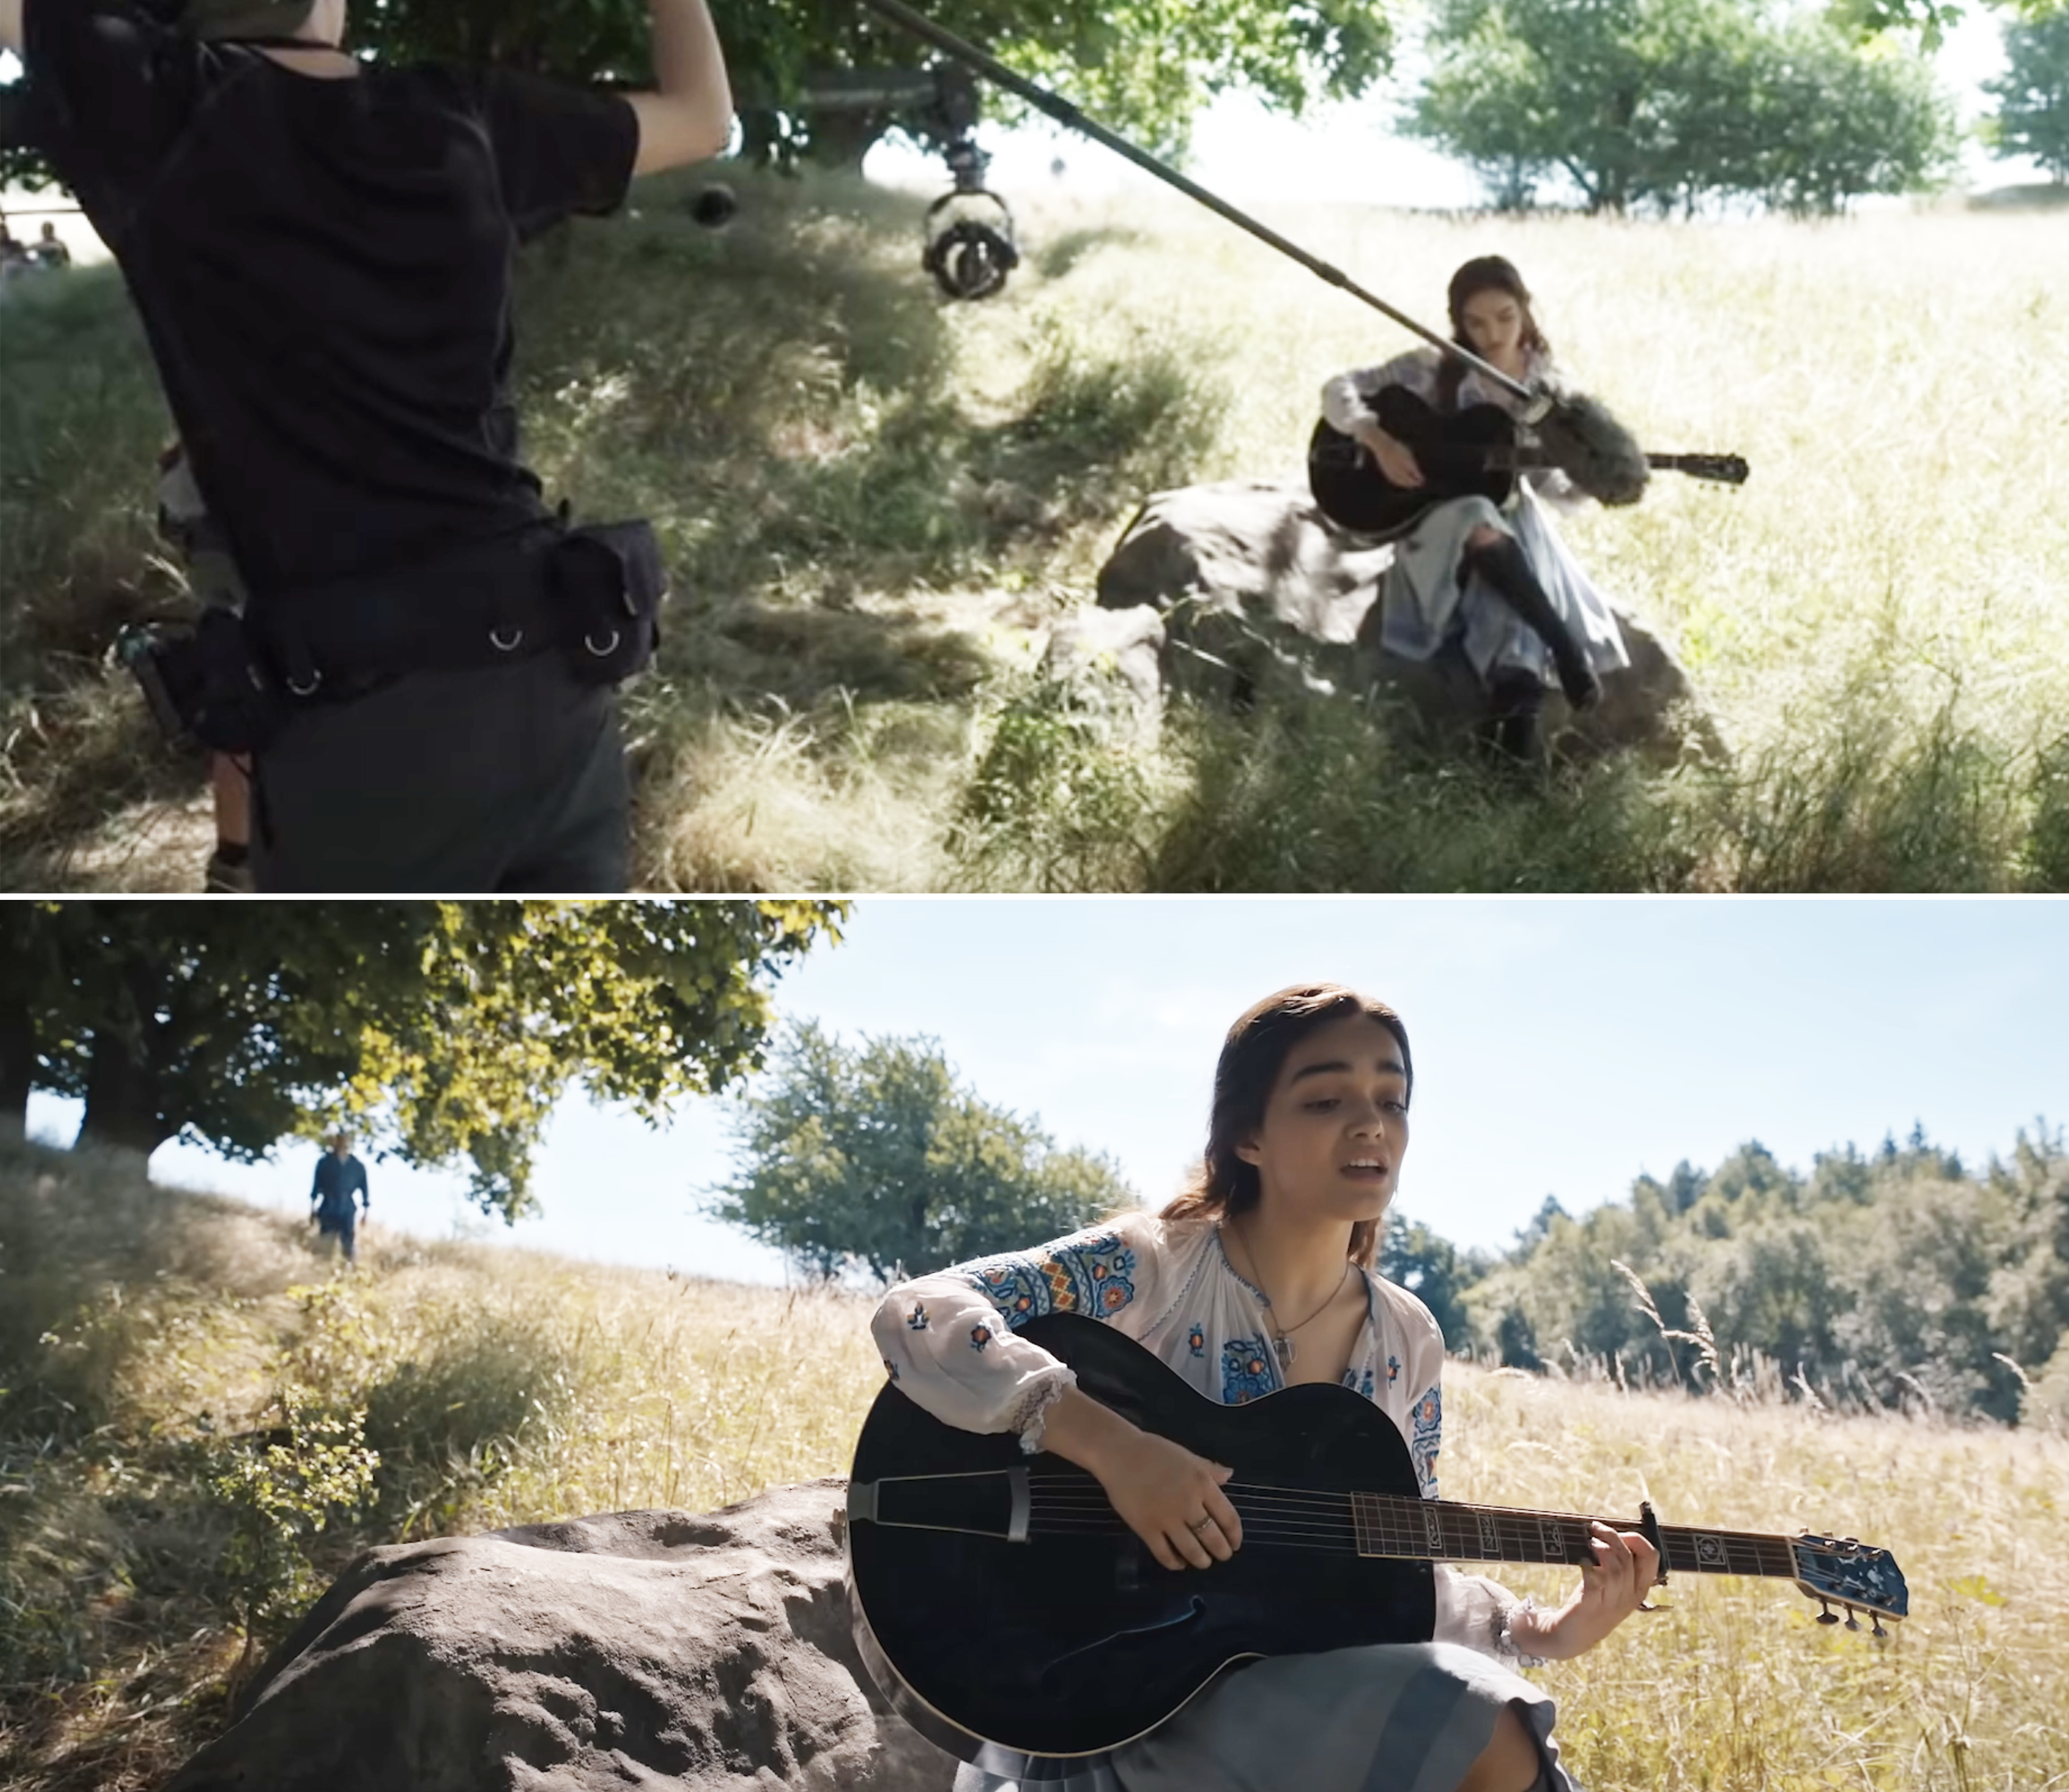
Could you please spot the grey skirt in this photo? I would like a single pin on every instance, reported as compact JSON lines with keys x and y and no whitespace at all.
{"x":1393,"y":1717}
{"x":1423,"y":601}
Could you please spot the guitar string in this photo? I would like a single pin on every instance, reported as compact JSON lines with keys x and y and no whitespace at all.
{"x":1415,"y":1545}
{"x":1407,"y":1522}
{"x":1402,"y":1523}
{"x":1410,"y":1511}
{"x":1414,"y":1515}
{"x":1400,"y":1544}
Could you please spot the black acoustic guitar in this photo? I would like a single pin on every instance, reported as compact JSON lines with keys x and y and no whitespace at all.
{"x":1006,"y":1612}
{"x":1473,"y":452}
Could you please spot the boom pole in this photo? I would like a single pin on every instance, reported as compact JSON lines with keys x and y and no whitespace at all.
{"x":1068,"y":115}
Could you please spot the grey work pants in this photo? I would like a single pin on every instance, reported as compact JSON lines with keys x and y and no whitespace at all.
{"x":503,"y":779}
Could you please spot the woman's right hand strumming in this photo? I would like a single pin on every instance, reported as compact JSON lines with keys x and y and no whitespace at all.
{"x":1397,"y":461}
{"x":1168,"y":1497}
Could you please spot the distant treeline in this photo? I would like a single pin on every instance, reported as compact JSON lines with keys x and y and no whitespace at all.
{"x":1901,"y":1279}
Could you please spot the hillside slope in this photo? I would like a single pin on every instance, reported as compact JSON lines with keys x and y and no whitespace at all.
{"x":148,"y":1337}
{"x":876,"y":502}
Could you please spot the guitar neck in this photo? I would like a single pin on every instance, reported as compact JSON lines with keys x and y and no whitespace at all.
{"x":1533,"y":460}
{"x":1438,"y":1530}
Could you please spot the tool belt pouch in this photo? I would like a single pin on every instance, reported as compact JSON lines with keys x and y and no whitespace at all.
{"x":607,"y":584}
{"x":205,"y":681}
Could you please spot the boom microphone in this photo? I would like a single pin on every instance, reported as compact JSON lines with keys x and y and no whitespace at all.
{"x":1593,"y":450}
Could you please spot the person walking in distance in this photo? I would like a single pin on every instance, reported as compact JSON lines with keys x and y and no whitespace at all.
{"x":339,"y":1178}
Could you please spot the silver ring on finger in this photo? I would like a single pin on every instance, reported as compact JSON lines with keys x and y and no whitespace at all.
{"x":1200,"y":1524}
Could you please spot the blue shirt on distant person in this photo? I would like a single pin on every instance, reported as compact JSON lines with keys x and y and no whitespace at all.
{"x":340,"y":1176}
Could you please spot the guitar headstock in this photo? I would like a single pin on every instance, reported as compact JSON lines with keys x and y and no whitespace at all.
{"x":1842,"y":1570}
{"x":1727,"y":469}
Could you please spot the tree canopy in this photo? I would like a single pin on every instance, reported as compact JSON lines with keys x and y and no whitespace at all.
{"x":1140,"y":66}
{"x":2032,"y":95}
{"x":445,"y":1032}
{"x":874,"y":1156}
{"x":1661,"y":104}
{"x":1899,"y":1277}
{"x":1143,"y":67}
{"x":1435,"y":1271}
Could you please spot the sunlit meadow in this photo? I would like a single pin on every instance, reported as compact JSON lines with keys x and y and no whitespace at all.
{"x":877,"y":505}
{"x":142,"y":1328}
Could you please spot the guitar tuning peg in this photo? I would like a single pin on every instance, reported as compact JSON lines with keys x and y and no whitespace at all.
{"x":1827,"y":1616}
{"x":1878,"y":1632}
{"x":1852,"y":1619}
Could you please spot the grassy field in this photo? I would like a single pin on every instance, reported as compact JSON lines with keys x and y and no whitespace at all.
{"x":146,"y":1336}
{"x":877,"y":505}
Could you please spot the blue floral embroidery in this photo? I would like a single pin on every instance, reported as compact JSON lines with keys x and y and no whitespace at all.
{"x":1196,"y":1341}
{"x":1093,"y":1273}
{"x":1359,"y":1381}
{"x":1422,"y":1442}
{"x":1393,"y":1370}
{"x":1246,"y":1370}
{"x":980,"y":1337}
{"x":917,"y":1320}
{"x":1014,"y":1286}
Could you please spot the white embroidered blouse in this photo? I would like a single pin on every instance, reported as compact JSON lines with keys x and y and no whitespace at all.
{"x":1347,"y":402}
{"x":948,"y":1341}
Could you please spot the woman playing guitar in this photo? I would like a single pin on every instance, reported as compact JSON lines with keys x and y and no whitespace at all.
{"x":1260,"y":1276}
{"x":1501,"y":575}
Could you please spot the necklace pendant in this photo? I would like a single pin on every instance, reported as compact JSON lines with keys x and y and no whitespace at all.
{"x":1283,"y":1349}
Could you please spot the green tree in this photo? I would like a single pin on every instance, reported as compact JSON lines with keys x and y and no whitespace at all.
{"x":1659,"y":104}
{"x":1435,"y":1271}
{"x":876,"y":1157}
{"x":445,"y":1031}
{"x":2032,"y":115}
{"x":1902,"y":1277}
{"x":164,"y":1018}
{"x":1834,"y":119}
{"x":1144,"y":68}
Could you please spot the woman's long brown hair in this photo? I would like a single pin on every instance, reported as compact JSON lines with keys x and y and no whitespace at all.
{"x":1481,"y":274}
{"x":1252,"y":1056}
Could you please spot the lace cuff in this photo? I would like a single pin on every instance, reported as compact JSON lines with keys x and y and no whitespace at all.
{"x":1504,"y":1642}
{"x":1030,"y":1416}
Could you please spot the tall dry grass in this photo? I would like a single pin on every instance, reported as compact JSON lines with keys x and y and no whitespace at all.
{"x":877,"y":503}
{"x":503,"y":1387}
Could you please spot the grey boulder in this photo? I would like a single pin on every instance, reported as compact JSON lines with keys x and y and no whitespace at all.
{"x":652,"y":1649}
{"x":1259,"y":593}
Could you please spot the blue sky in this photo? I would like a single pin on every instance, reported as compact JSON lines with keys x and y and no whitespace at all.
{"x":1562,"y":1047}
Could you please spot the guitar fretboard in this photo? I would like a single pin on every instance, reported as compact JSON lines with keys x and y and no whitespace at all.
{"x":1436,"y":1530}
{"x":1428,"y":1530}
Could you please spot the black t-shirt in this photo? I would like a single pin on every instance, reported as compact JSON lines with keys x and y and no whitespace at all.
{"x":324,"y":269}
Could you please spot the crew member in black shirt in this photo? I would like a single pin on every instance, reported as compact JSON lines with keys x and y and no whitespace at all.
{"x":320,"y":250}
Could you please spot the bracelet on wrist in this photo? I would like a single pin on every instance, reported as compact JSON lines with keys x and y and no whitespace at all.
{"x":1505,"y":1636}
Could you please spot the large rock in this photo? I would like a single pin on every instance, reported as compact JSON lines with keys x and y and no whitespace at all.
{"x":652,"y":1649}
{"x":1113,"y":659}
{"x":1259,"y":593}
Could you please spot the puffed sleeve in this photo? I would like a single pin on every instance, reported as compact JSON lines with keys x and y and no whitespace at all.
{"x":1347,"y":398}
{"x":1476,"y":1612}
{"x":948,"y":1339}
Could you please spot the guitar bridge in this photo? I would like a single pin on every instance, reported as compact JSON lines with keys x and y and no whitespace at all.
{"x":946,"y":1502}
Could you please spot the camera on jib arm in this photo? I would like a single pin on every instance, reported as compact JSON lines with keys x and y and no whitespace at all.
{"x":970,"y":248}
